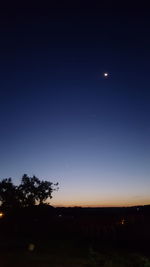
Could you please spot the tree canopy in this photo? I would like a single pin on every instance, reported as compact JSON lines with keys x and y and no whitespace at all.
{"x":31,"y":191}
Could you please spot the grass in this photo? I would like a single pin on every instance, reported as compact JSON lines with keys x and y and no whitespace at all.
{"x":67,"y":253}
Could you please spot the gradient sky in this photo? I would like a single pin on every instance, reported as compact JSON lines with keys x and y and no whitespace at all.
{"x":60,"y":119}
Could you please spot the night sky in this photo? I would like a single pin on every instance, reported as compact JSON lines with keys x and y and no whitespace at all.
{"x":60,"y":118}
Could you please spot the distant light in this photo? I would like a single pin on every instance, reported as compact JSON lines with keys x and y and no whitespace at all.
{"x":123,"y":221}
{"x":1,"y":214}
{"x":31,"y":247}
{"x":105,"y":74}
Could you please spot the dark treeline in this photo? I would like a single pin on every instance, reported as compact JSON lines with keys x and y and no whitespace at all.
{"x":110,"y":226}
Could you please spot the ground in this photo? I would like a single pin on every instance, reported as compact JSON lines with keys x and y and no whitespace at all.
{"x":66,"y":253}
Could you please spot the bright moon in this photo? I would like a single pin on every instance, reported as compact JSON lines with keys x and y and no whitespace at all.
{"x":105,"y":74}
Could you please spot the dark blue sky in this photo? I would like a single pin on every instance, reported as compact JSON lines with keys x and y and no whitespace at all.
{"x":60,"y":119}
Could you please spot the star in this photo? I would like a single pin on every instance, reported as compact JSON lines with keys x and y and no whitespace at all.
{"x":105,"y":74}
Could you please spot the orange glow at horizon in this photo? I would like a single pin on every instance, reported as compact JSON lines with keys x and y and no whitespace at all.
{"x":100,"y":203}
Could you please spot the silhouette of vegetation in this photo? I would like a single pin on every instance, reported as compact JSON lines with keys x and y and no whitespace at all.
{"x":31,"y":191}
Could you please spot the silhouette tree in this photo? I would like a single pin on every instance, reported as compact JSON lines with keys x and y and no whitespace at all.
{"x":9,"y":194}
{"x":32,"y":191}
{"x":36,"y":191}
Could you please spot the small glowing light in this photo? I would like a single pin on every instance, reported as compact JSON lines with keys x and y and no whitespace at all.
{"x":1,"y":214}
{"x":123,"y":221}
{"x":105,"y":74}
{"x":31,"y":247}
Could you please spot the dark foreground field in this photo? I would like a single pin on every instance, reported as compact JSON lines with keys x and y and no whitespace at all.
{"x":75,"y":237}
{"x":68,"y":253}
